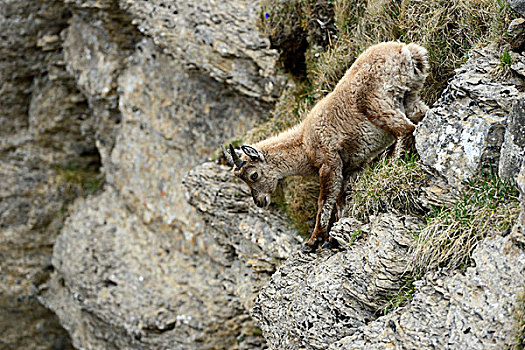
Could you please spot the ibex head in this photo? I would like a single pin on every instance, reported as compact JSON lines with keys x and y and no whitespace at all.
{"x":251,"y":167}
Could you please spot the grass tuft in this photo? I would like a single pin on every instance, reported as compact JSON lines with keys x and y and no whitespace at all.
{"x":401,"y":298}
{"x":450,"y":234}
{"x":388,"y":185}
{"x":448,"y":29}
{"x":80,"y":180}
{"x":297,"y":198}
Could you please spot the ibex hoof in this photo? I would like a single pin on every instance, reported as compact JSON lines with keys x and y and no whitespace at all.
{"x":327,"y":244}
{"x":330,"y":243}
{"x":308,"y":249}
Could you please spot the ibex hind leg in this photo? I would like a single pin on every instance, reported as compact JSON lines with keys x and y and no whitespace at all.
{"x":415,"y":108}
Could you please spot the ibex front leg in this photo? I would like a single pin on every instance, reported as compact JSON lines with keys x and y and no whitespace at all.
{"x":331,"y":179}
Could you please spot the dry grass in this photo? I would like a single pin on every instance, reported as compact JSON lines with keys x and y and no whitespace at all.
{"x":292,"y":107}
{"x":401,"y":298}
{"x":388,"y":185}
{"x":448,"y":29}
{"x":450,"y":234}
{"x":297,"y":198}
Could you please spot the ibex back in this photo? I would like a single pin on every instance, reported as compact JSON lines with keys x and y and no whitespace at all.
{"x":375,"y":104}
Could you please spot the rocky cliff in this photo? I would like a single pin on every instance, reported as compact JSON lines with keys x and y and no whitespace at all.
{"x":139,"y":93}
{"x":117,"y":232}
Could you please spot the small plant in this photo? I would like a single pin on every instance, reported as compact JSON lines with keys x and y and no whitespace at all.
{"x":487,"y":206}
{"x":354,"y":236}
{"x":80,"y":179}
{"x":401,"y":298}
{"x":505,"y":59}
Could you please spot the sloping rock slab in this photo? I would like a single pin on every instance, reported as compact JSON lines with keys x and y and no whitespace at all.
{"x":454,"y":310}
{"x":316,"y":299}
{"x":254,"y":241}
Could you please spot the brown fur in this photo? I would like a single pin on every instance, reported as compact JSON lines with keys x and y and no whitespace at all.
{"x":374,"y":104}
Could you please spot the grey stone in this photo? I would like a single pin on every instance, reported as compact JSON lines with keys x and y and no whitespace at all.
{"x":121,"y":284}
{"x":517,"y":34}
{"x":313,"y":300}
{"x":518,"y":6}
{"x":256,"y":240}
{"x":513,"y":148}
{"x":217,"y":37}
{"x":518,"y":231}
{"x":154,"y":119}
{"x":43,"y":119}
{"x":454,"y":310}
{"x":462,"y":134}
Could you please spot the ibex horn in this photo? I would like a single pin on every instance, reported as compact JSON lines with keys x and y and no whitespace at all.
{"x":228,"y":156}
{"x":236,"y":160}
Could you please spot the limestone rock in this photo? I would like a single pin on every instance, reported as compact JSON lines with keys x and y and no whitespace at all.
{"x":43,"y":119}
{"x":454,"y":310}
{"x":518,"y":231}
{"x":513,"y":148}
{"x":255,"y":240}
{"x":217,"y":37}
{"x":154,"y":120}
{"x":462,"y":134}
{"x":120,"y":284}
{"x":313,"y":300}
{"x":167,"y":128}
{"x":517,"y":34}
{"x":518,"y":6}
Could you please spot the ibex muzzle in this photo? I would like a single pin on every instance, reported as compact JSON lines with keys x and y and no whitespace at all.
{"x":250,"y":166}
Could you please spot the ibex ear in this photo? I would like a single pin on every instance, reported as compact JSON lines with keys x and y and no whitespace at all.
{"x":252,"y":153}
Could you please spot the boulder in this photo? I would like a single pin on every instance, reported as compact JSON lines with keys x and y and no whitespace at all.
{"x":454,"y":309}
{"x":462,"y":134}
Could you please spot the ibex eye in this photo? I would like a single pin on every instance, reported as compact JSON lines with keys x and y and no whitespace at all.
{"x":254,"y":176}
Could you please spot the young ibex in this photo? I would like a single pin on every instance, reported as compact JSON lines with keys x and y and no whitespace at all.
{"x":375,"y":103}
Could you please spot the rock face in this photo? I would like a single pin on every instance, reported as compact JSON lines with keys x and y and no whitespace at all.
{"x":144,"y":91}
{"x":45,"y":126}
{"x":467,"y":310}
{"x":464,"y":131}
{"x":518,"y":6}
{"x":513,"y":148}
{"x":254,"y":241}
{"x":217,"y":37}
{"x":314,"y":300}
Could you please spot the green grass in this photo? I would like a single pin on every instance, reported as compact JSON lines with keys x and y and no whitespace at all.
{"x":80,"y":179}
{"x":401,"y":298}
{"x":505,"y":59}
{"x":487,"y":206}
